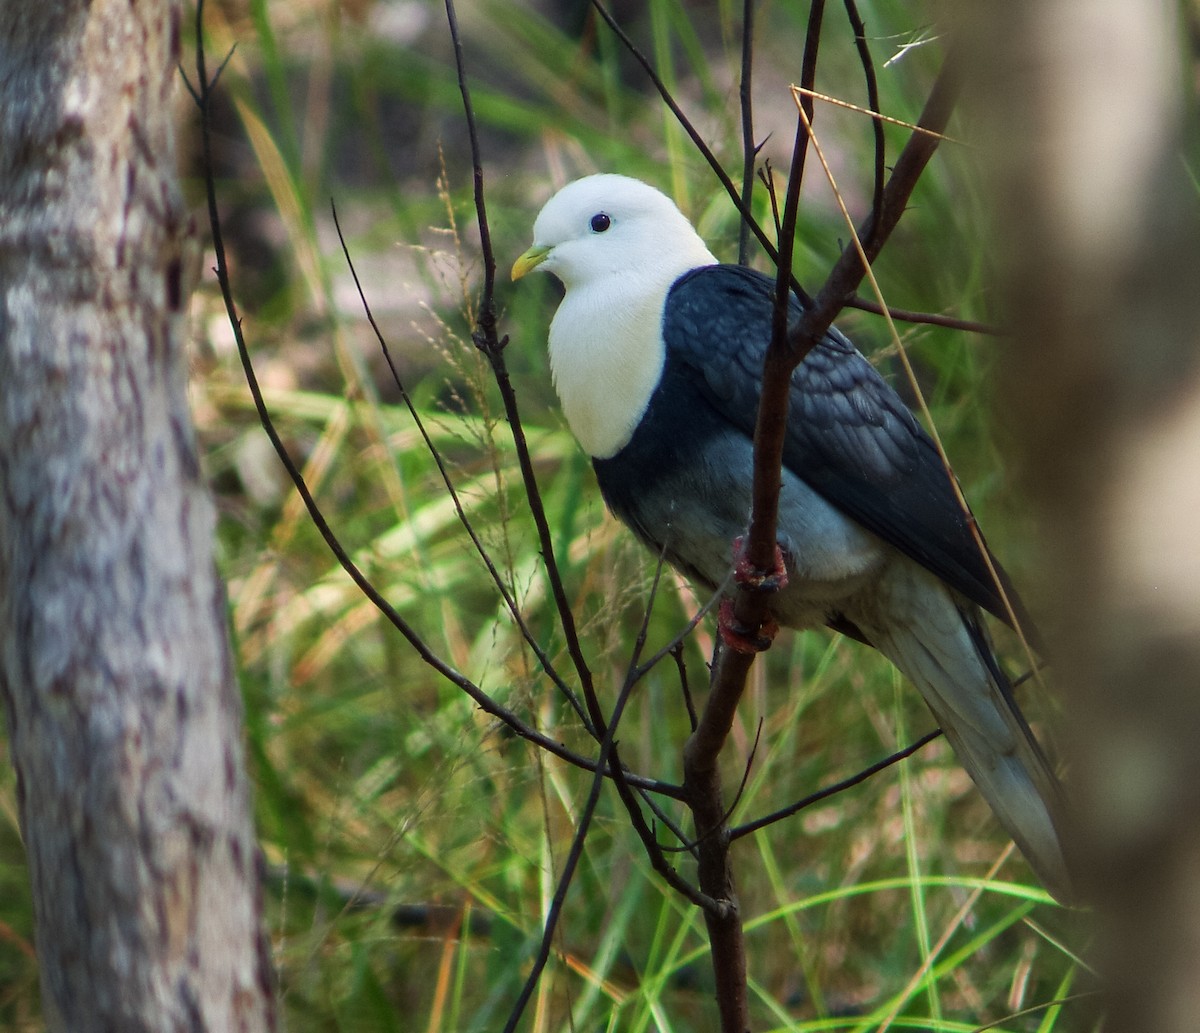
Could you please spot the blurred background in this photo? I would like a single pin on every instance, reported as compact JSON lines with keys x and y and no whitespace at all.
{"x":412,"y":846}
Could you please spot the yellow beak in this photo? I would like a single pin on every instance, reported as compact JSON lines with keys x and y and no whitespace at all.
{"x":532,"y":258}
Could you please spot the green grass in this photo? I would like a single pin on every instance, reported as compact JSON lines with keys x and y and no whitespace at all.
{"x":380,"y":787}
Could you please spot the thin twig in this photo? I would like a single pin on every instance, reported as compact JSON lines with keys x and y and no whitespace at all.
{"x":833,"y":790}
{"x":488,"y":341}
{"x":681,"y":667}
{"x":741,"y":789}
{"x":771,"y":420}
{"x":435,"y":453}
{"x":654,"y":851}
{"x":749,"y":149}
{"x":701,"y":773}
{"x":661,"y":815}
{"x":487,"y":308}
{"x":737,"y":797}
{"x":849,"y":270}
{"x":767,"y":176}
{"x":607,"y":747}
{"x":481,"y":698}
{"x":847,"y":783}
{"x":905,"y":315}
{"x":697,"y":139}
{"x":868,"y":65}
{"x":808,"y":78}
{"x":857,"y":301}
{"x":683,"y":635}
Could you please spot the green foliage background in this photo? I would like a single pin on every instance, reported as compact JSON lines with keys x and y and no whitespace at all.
{"x":412,"y":845}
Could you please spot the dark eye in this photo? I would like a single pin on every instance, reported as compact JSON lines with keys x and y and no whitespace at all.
{"x":600,"y":222}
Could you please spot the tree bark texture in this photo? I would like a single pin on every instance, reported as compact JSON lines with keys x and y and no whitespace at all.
{"x":123,"y":711}
{"x":1102,"y":249}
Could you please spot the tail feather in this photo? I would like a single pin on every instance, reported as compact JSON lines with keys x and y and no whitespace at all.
{"x":940,"y":644}
{"x":1023,"y":792}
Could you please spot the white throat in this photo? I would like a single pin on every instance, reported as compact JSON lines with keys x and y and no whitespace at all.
{"x":617,"y":245}
{"x":607,"y":356}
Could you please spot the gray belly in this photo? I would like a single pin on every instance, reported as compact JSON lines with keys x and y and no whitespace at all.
{"x":694,"y":515}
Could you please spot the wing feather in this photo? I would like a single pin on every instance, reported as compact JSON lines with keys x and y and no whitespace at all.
{"x":850,"y":437}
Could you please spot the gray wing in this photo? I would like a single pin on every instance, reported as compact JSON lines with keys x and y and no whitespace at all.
{"x":849,"y":436}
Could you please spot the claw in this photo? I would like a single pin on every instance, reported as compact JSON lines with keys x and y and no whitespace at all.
{"x":753,"y":579}
{"x":738,"y":636}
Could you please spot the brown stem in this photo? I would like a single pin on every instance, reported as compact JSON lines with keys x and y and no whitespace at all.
{"x":702,"y":780}
{"x":787,"y":349}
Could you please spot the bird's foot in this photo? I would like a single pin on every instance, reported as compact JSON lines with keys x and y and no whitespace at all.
{"x":740,"y":638}
{"x":749,"y":578}
{"x":755,"y":579}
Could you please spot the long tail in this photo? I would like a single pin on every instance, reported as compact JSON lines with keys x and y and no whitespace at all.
{"x":940,"y":644}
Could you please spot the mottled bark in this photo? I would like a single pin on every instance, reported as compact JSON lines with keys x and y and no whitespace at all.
{"x":122,"y":706}
{"x":1102,"y":249}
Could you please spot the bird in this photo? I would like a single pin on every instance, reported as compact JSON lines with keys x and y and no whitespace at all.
{"x":656,"y":353}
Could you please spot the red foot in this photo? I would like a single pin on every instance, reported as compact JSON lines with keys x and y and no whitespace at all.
{"x":740,"y":638}
{"x":754,"y":579}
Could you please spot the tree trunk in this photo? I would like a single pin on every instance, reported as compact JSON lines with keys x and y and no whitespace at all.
{"x":1103,"y":244}
{"x":122,"y":707}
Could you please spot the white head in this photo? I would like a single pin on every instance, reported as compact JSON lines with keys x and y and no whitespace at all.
{"x":611,"y":225}
{"x":617,"y":245}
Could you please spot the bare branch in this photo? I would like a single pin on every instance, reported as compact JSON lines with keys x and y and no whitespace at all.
{"x":607,"y":759}
{"x":833,"y":790}
{"x":607,"y":755}
{"x":864,"y":53}
{"x":654,"y":851}
{"x":487,"y":307}
{"x":481,"y":698}
{"x":672,"y":647}
{"x":848,"y":783}
{"x":488,"y":341}
{"x":499,"y":582}
{"x":766,"y":174}
{"x":787,"y":349}
{"x":681,"y":666}
{"x":848,"y":272}
{"x":699,"y":142}
{"x":904,"y":315}
{"x":749,"y":148}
